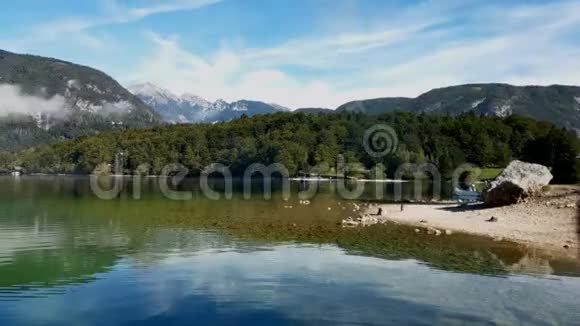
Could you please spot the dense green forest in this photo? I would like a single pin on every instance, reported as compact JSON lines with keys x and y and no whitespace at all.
{"x":300,"y":141}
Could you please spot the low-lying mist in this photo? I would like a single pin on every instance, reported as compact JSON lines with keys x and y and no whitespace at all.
{"x":14,"y":101}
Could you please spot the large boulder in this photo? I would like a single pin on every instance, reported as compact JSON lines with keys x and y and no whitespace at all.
{"x":519,"y":180}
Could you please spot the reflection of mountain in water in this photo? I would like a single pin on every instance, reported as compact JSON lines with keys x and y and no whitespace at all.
{"x":56,"y":233}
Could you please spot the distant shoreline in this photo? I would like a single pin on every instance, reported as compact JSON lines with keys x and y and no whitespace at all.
{"x":235,"y":177}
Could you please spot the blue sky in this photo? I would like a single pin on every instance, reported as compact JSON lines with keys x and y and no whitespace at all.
{"x":301,"y":53}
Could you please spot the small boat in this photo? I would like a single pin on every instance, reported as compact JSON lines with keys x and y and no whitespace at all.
{"x":466,"y":195}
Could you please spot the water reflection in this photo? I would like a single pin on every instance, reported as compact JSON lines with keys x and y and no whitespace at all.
{"x":272,"y":286}
{"x":71,"y":258}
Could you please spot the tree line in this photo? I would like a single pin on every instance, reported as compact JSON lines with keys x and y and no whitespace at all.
{"x":300,"y":141}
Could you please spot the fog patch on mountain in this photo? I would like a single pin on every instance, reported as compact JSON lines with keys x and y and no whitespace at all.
{"x":14,"y":101}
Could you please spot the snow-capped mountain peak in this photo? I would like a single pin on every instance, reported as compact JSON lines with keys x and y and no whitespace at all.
{"x":240,"y":106}
{"x":220,"y":105}
{"x":192,"y":108}
{"x":152,"y":93}
{"x":195,"y":100}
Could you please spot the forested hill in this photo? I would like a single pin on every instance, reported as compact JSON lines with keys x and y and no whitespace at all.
{"x":557,"y":104}
{"x":314,"y":111}
{"x":45,"y":99}
{"x":300,"y":141}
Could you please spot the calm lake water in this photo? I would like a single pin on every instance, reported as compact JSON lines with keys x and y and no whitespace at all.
{"x":69,"y":258}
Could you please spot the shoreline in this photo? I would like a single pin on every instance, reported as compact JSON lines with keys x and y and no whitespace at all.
{"x":309,"y":179}
{"x":547,"y":222}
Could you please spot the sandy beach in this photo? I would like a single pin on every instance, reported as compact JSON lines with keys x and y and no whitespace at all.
{"x":546,"y":222}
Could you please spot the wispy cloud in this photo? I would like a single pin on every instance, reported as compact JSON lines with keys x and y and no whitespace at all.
{"x":521,"y":44}
{"x":120,"y":14}
{"x":231,"y":76}
{"x":316,"y":52}
{"x":114,"y":13}
{"x":166,"y":7}
{"x":403,"y":52}
{"x":525,"y":48}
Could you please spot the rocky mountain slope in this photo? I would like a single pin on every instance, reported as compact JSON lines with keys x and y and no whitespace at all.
{"x":189,"y":108}
{"x":44,"y":99}
{"x":557,"y":104}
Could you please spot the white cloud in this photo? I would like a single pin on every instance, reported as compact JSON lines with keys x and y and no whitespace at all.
{"x":530,"y":54}
{"x":119,"y":14}
{"x":14,"y":101}
{"x":430,"y":45}
{"x":520,"y":45}
{"x":316,"y":52}
{"x":231,"y":76}
{"x":165,"y":7}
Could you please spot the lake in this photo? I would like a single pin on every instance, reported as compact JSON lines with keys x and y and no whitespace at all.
{"x":68,"y":257}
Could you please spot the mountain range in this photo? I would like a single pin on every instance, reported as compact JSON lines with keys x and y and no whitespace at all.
{"x":189,"y":108}
{"x":558,"y":104}
{"x":45,"y":99}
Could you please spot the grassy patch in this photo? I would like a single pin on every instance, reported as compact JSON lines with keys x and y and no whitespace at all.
{"x":489,"y":173}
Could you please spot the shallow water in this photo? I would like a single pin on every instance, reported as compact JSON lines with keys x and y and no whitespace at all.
{"x":67,"y":257}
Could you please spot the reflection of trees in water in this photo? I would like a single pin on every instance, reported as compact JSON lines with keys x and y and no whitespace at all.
{"x":43,"y":187}
{"x":155,"y":244}
{"x":44,"y":268}
{"x":41,"y":248}
{"x":79,"y":260}
{"x":89,"y":235}
{"x":457,"y":253}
